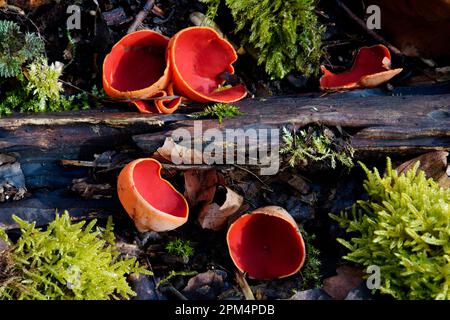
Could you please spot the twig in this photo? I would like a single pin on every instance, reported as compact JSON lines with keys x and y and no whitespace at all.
{"x":246,"y":290}
{"x":149,"y":265}
{"x":363,"y":25}
{"x":82,"y":163}
{"x":141,"y":16}
{"x":169,"y":288}
{"x":173,"y":274}
{"x":167,"y":166}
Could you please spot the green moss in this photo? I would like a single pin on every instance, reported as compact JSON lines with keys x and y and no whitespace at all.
{"x":404,"y":228}
{"x":315,"y":143}
{"x":285,"y":34}
{"x":67,"y":261}
{"x":3,"y":235}
{"x":310,"y":273}
{"x":180,"y":248}
{"x":27,"y":81}
{"x":219,"y":111}
{"x":17,"y":48}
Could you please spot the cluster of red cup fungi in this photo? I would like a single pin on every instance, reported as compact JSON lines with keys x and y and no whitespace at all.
{"x":145,"y":65}
{"x":265,"y":244}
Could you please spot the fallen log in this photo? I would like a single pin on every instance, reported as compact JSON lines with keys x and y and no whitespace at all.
{"x":377,"y":125}
{"x":42,"y":206}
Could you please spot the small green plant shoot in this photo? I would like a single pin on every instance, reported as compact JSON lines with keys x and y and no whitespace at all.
{"x":315,"y":143}
{"x":219,"y":111}
{"x":180,"y":248}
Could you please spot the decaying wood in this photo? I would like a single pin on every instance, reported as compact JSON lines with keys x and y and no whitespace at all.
{"x":42,"y":206}
{"x":377,"y":125}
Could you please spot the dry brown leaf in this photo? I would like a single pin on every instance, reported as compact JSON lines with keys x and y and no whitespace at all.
{"x":434,"y":164}
{"x":339,"y":286}
{"x":200,"y":185}
{"x":6,"y":158}
{"x":214,"y":216}
{"x":90,"y":190}
{"x":175,"y":153}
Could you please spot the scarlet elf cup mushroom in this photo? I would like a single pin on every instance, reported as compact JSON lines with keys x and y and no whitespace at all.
{"x":266,"y":244}
{"x":137,"y":69}
{"x":371,"y":68}
{"x":151,"y":201}
{"x":198,"y":57}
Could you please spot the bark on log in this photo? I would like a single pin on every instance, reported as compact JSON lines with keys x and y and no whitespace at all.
{"x":379,"y":124}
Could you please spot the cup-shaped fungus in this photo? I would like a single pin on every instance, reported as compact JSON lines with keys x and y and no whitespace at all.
{"x":266,"y":244}
{"x":166,"y":106}
{"x":137,"y":69}
{"x":199,"y":59}
{"x":371,"y":68}
{"x":151,"y":201}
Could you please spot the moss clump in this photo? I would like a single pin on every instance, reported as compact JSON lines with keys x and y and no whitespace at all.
{"x":66,"y":262}
{"x":316,"y":143}
{"x":3,"y":235}
{"x":27,"y":81}
{"x":284,"y":34}
{"x":404,"y":228}
{"x":219,"y":111}
{"x":180,"y":248}
{"x":17,"y":48}
{"x":310,"y":273}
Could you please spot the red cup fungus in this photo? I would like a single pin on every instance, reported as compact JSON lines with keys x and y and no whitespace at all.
{"x":198,"y":56}
{"x":137,"y":68}
{"x":266,"y":244}
{"x":161,"y":105}
{"x":371,"y":68}
{"x":151,"y":201}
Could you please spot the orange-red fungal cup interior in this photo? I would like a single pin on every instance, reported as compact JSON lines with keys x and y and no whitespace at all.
{"x":372,"y":67}
{"x":198,"y":57}
{"x":266,"y":244}
{"x":151,"y":201}
{"x":136,"y":67}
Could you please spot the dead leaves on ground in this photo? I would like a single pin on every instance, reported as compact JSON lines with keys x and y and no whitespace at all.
{"x":347,"y":278}
{"x":434,"y":164}
{"x":215,"y":215}
{"x":205,"y":190}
